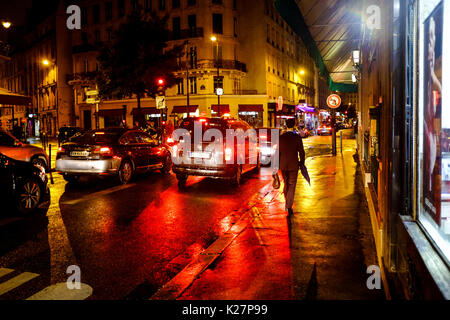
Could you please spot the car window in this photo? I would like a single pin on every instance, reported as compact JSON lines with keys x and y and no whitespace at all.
{"x":129,"y":138}
{"x":143,"y":138}
{"x":6,"y":140}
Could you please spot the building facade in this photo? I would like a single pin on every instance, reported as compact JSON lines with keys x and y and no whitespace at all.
{"x":252,"y":83}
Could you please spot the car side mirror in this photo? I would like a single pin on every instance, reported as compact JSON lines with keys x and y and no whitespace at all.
{"x":18,"y":144}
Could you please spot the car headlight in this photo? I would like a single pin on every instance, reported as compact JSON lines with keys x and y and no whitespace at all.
{"x":266,"y":151}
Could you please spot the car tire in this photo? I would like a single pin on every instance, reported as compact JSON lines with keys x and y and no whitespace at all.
{"x":182,"y":179}
{"x":167,"y":165}
{"x":125,"y":173}
{"x":29,"y":195}
{"x":71,"y":178}
{"x":237,"y":177}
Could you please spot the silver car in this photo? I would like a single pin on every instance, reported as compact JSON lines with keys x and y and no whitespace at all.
{"x":16,"y":149}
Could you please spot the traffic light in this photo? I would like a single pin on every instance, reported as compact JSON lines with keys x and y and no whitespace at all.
{"x":161,"y":83}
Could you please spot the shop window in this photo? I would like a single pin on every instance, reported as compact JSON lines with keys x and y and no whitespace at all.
{"x":434,"y":126}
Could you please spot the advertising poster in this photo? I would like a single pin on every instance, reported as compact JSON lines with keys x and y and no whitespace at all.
{"x":433,"y":30}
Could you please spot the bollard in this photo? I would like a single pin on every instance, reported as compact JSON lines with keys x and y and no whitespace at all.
{"x":50,"y":163}
{"x":341,"y":141}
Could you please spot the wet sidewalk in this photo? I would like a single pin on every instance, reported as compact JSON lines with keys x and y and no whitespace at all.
{"x":322,"y":252}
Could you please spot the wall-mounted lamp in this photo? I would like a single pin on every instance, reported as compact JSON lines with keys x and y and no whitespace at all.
{"x":356,"y":59}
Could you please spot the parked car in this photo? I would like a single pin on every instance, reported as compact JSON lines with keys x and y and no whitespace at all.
{"x":14,"y":148}
{"x":324,"y":130}
{"x":213,"y":163}
{"x":267,"y":148}
{"x":116,"y":151}
{"x":65,"y":133}
{"x":23,"y":185}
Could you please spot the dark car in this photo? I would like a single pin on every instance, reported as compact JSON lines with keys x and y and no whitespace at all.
{"x":202,"y":159}
{"x":65,"y":133}
{"x":115,"y":151}
{"x":23,"y":185}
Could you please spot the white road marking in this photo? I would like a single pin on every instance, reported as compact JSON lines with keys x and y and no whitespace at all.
{"x":60,"y":291}
{"x":5,"y":271}
{"x":16,"y":282}
{"x":99,"y":194}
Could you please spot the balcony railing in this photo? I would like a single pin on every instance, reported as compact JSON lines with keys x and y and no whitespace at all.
{"x":83,"y":76}
{"x":186,"y":34}
{"x":214,"y":64}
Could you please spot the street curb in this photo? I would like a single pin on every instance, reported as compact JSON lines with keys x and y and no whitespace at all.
{"x":184,"y":279}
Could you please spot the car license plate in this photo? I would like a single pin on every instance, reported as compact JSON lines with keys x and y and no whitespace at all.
{"x":79,"y":153}
{"x":201,"y":155}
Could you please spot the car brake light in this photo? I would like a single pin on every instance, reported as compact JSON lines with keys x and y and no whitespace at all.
{"x":228,"y":153}
{"x":61,"y":150}
{"x":105,"y":151}
{"x":202,"y":120}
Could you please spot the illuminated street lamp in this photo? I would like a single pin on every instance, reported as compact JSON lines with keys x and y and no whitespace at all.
{"x":214,"y":39}
{"x":356,"y":58}
{"x":45,"y":62}
{"x":302,"y":72}
{"x":6,"y":24}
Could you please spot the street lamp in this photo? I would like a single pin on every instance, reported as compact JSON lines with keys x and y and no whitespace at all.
{"x":6,"y":24}
{"x":214,"y":39}
{"x":45,"y":62}
{"x":302,"y":72}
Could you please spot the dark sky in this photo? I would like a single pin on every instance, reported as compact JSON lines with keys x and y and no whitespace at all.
{"x":15,"y":10}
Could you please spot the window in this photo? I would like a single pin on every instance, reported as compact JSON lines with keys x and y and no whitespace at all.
{"x":148,"y":5}
{"x":176,"y":27}
{"x":193,"y":85}
{"x":193,"y":57}
{"x":108,"y":11}
{"x":84,"y":38}
{"x":96,"y":13}
{"x":121,"y":8}
{"x":192,"y":24}
{"x":162,"y":5}
{"x":175,"y":4}
{"x":217,"y":52}
{"x":97,"y":35}
{"x":109,"y":34}
{"x":234,"y":4}
{"x":217,"y":1}
{"x":235,"y":26}
{"x":84,"y":16}
{"x":217,"y":23}
{"x":134,"y":4}
{"x":192,"y":2}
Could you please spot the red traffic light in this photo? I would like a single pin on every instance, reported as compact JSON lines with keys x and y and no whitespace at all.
{"x":160,"y":81}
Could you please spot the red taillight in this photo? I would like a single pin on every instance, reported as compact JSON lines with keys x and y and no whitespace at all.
{"x":61,"y":150}
{"x":228,"y":154}
{"x":170,"y":140}
{"x":105,"y":151}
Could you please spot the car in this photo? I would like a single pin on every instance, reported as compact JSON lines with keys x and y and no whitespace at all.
{"x":324,"y":130}
{"x":120,"y":152}
{"x":65,"y":133}
{"x":18,"y":150}
{"x":23,"y":186}
{"x":267,"y":148}
{"x":199,"y":160}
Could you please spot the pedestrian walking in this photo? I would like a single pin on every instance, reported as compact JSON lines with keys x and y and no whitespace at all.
{"x":291,"y":158}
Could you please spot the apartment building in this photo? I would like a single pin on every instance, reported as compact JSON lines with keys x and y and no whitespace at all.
{"x":255,"y":59}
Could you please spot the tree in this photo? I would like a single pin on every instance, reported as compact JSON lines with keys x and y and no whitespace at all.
{"x":136,"y":57}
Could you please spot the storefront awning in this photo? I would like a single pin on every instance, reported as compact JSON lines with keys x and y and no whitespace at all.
{"x":111,"y":113}
{"x":251,"y":108}
{"x":10,"y":98}
{"x":223,"y":108}
{"x":150,"y":110}
{"x":184,"y":109}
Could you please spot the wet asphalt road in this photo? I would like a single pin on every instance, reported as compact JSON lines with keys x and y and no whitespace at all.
{"x":128,"y":240}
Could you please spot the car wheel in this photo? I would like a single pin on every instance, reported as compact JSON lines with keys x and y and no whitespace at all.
{"x":39,"y":162}
{"x":237,"y":177}
{"x":125,"y":172}
{"x":29,"y":196}
{"x":167,"y":165}
{"x":71,"y":178}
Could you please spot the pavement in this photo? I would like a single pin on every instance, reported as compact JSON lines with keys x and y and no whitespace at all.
{"x":321,"y":253}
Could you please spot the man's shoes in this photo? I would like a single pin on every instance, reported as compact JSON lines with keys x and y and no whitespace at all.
{"x":290,"y":212}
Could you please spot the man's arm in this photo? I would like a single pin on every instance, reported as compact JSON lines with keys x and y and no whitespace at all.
{"x":300,"y":149}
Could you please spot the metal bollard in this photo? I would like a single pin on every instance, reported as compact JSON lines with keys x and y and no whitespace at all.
{"x":341,"y":141}
{"x":50,"y":163}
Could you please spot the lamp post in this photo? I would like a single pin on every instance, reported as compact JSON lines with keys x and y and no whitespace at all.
{"x":214,"y":39}
{"x":187,"y":76}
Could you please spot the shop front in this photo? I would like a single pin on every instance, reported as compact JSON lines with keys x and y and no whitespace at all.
{"x":110,"y":118}
{"x":219,"y":110}
{"x":180,"y":112}
{"x":252,"y":114}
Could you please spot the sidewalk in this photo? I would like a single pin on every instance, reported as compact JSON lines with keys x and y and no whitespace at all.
{"x":322,"y":252}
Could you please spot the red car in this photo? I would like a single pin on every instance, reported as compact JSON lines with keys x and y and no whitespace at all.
{"x":324,"y":130}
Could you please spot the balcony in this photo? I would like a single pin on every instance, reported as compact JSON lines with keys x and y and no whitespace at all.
{"x":213,"y":64}
{"x":186,"y":34}
{"x":81,"y":77}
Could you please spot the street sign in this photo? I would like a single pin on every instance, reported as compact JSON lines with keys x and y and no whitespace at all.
{"x":219,"y":91}
{"x":92,"y":92}
{"x":161,"y":102}
{"x":280,"y":103}
{"x":334,"y":101}
{"x":92,"y":100}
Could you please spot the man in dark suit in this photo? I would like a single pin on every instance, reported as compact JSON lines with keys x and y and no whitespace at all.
{"x":290,"y":151}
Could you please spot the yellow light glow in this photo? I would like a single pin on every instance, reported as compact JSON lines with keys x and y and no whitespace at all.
{"x":213,"y":39}
{"x":302,"y":72}
{"x":6,"y":24}
{"x":45,"y":62}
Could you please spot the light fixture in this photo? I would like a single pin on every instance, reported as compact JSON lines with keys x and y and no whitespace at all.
{"x":356,"y":56}
{"x":6,"y":24}
{"x":213,"y":39}
{"x":353,"y":78}
{"x":302,"y":72}
{"x":45,"y":62}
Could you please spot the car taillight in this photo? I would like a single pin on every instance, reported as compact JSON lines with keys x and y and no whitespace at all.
{"x":170,"y":140}
{"x":105,"y":151}
{"x":61,"y":150}
{"x":228,"y":153}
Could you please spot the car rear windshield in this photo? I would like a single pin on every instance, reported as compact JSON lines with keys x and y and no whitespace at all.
{"x":97,"y":137}
{"x":207,"y":123}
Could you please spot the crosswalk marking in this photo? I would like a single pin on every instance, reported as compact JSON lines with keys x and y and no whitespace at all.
{"x":5,"y":271}
{"x":16,"y":282}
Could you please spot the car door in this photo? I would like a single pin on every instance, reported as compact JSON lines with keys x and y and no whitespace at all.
{"x":133,"y":147}
{"x":153,"y":151}
{"x":9,"y":146}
